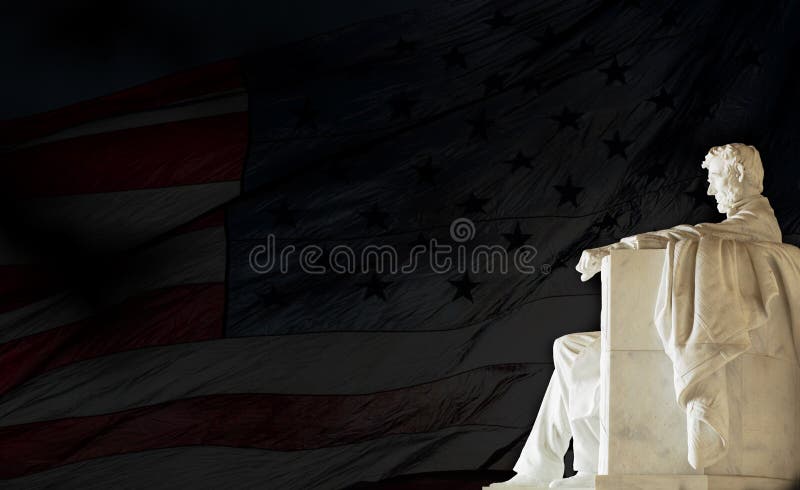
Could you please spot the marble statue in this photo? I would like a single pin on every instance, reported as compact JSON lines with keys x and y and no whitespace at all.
{"x":569,"y":409}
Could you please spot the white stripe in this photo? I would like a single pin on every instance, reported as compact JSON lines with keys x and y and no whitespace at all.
{"x":326,"y":363}
{"x":55,"y":311}
{"x":191,"y":258}
{"x":225,"y":104}
{"x":452,"y":449}
{"x":490,"y":393}
{"x":115,"y":221}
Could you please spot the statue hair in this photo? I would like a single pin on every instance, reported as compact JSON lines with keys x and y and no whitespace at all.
{"x":745,"y":159}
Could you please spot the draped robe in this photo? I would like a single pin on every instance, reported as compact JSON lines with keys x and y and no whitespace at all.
{"x":717,"y":287}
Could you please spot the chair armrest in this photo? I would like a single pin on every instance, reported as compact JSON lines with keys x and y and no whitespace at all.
{"x":630,"y":287}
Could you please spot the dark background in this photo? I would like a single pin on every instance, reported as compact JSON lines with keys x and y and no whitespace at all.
{"x":57,"y":53}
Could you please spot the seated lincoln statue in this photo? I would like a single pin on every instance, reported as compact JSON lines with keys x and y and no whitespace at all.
{"x":569,"y":409}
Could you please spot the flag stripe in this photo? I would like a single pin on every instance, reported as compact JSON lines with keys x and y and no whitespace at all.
{"x":54,"y":311}
{"x":118,"y":221}
{"x":212,"y":467}
{"x":196,"y":151}
{"x":214,"y":106}
{"x":188,"y":313}
{"x":327,"y":363}
{"x":196,"y":257}
{"x":22,"y":285}
{"x":213,"y":219}
{"x":216,"y":77}
{"x":278,"y":422}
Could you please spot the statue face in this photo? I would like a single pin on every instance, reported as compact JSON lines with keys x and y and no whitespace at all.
{"x":722,"y":184}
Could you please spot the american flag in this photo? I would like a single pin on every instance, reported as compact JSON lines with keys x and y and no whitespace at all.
{"x":138,"y":348}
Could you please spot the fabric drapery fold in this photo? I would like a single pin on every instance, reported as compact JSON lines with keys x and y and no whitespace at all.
{"x":713,"y":292}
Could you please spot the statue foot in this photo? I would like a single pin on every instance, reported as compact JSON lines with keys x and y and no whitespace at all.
{"x":522,"y":480}
{"x":580,"y":480}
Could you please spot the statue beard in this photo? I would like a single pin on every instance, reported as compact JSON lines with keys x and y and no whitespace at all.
{"x":731,"y":193}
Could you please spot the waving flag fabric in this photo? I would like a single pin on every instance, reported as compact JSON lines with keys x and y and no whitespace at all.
{"x":140,"y":348}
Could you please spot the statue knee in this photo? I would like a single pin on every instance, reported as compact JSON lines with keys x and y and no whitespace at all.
{"x":567,"y":347}
{"x":560,"y":345}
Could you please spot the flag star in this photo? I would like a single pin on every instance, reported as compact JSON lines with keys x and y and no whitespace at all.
{"x":584,"y":48}
{"x":657,"y":171}
{"x":306,"y":116}
{"x":531,"y":82}
{"x":454,"y":57}
{"x":608,"y":222}
{"x":480,"y":126}
{"x":401,"y":105}
{"x":706,"y":110}
{"x":699,"y":195}
{"x":568,"y":192}
{"x":567,"y":118}
{"x":283,"y":215}
{"x":519,"y":161}
{"x":616,"y":146}
{"x":426,"y":172}
{"x":669,"y":18}
{"x":615,"y":72}
{"x":338,"y":172}
{"x":663,"y":100}
{"x":273,"y":298}
{"x":494,"y":83}
{"x":517,"y":238}
{"x":499,"y":20}
{"x":375,"y":217}
{"x":464,"y":287}
{"x":750,"y":56}
{"x":548,"y":38}
{"x":359,"y":70}
{"x":301,"y":64}
{"x":403,"y":47}
{"x":474,"y":204}
{"x":375,"y":286}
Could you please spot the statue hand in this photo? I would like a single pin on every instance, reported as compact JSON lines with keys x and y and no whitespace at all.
{"x":590,"y":261}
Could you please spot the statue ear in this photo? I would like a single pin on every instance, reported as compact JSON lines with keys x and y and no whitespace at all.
{"x":740,"y":172}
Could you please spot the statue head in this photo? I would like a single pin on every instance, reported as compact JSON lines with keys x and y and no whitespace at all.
{"x":735,"y":172}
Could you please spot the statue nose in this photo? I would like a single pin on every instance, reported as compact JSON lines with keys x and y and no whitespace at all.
{"x":711,"y":191}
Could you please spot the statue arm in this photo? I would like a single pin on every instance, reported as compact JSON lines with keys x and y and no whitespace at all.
{"x":734,"y":228}
{"x":659,"y":239}
{"x":589,"y":263}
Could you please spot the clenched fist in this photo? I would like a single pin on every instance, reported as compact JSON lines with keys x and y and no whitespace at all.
{"x":591,"y":259}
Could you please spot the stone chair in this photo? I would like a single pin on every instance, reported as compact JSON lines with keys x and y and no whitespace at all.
{"x":643,"y":440}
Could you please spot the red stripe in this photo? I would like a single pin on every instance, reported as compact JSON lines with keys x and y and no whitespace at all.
{"x":195,"y":151}
{"x":21,"y":285}
{"x":187,"y":313}
{"x":212,"y":219}
{"x":197,"y":82}
{"x":268,"y":421}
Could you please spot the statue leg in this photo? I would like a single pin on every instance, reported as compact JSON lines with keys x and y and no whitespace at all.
{"x":583,"y":406}
{"x":563,"y":413}
{"x":580,"y":358}
{"x":542,"y":457}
